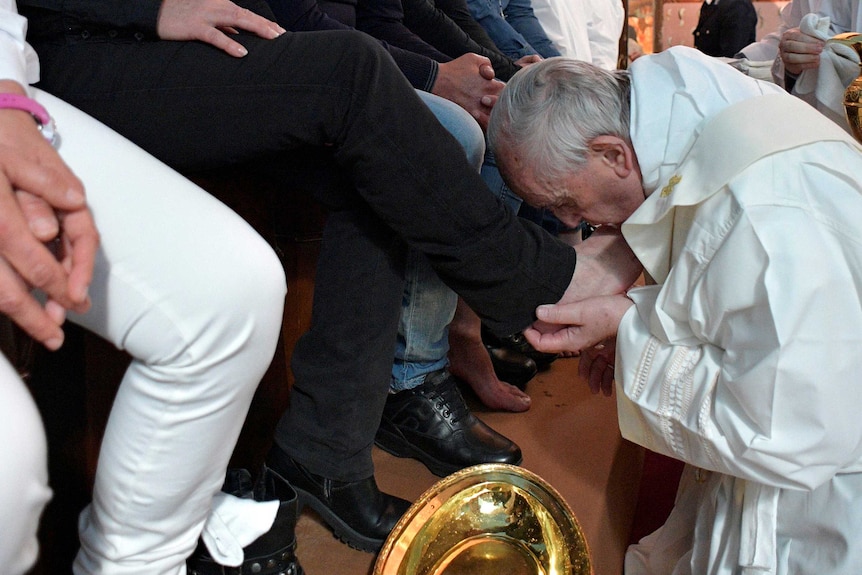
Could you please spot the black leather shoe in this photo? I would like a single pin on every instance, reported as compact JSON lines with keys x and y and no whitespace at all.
{"x":274,"y":552}
{"x":432,"y":423}
{"x":357,"y":512}
{"x":512,"y":366}
{"x":519,"y":343}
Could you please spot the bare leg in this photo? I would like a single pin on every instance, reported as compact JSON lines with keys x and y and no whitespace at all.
{"x":469,"y":361}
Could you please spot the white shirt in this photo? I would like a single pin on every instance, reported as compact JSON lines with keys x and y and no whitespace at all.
{"x":18,"y":60}
{"x":587,"y":30}
{"x":745,"y":360}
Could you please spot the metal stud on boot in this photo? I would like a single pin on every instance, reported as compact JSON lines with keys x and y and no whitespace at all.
{"x":274,"y":552}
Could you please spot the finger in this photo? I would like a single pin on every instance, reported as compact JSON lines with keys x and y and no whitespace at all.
{"x":49,"y":179}
{"x":487,"y":71}
{"x":597,"y":370}
{"x":551,"y":342}
{"x":584,"y":363}
{"x":81,"y":241}
{"x":28,"y":256}
{"x":482,"y":117}
{"x":219,"y":39}
{"x":561,"y":314}
{"x":40,"y":216}
{"x":608,"y":381}
{"x":244,"y":19}
{"x":21,"y":307}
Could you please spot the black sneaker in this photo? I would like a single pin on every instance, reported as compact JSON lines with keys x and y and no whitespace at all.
{"x":433,"y":424}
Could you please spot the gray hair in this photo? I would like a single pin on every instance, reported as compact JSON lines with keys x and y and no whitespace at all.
{"x":550,"y":112}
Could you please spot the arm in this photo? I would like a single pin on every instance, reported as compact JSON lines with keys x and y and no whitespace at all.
{"x":435,"y":27}
{"x":519,"y":14}
{"x":307,"y":16}
{"x":507,"y":39}
{"x":384,"y":19}
{"x":759,"y":386}
{"x":467,"y":80}
{"x":459,"y":13}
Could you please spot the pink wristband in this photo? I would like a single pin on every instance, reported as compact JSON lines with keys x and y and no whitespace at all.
{"x":35,"y":109}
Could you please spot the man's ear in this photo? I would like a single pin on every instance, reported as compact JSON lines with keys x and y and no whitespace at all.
{"x":615,"y":153}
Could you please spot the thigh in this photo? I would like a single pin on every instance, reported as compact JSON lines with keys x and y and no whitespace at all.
{"x":195,"y":107}
{"x":172,"y":258}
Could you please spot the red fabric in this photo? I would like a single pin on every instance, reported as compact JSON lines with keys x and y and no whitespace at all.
{"x":656,"y":495}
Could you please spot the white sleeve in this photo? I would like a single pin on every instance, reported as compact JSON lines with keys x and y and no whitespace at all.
{"x":18,"y":60}
{"x":767,"y":386}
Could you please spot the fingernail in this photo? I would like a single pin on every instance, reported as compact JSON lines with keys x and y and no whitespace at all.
{"x":74,"y":196}
{"x":54,"y":343}
{"x":43,"y":227}
{"x":241,"y":51}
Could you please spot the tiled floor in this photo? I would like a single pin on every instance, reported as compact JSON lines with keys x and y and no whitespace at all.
{"x":569,"y":438}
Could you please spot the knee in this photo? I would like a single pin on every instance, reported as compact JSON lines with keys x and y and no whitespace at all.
{"x":254,"y":293}
{"x":461,"y":125}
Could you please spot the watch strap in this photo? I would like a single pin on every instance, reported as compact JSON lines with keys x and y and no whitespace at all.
{"x":35,"y":109}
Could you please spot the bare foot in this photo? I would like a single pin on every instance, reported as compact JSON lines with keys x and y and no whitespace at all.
{"x":469,"y":361}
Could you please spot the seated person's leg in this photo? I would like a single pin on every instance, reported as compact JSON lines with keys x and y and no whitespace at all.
{"x":428,"y":309}
{"x":342,"y":367}
{"x":24,"y":488}
{"x":195,"y":296}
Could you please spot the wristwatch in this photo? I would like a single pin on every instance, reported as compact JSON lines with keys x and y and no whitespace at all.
{"x":37,"y":110}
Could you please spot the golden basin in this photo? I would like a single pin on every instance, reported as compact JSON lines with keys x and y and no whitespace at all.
{"x":492,"y":519}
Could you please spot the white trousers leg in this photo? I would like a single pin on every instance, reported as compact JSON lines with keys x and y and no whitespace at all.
{"x":195,"y":296}
{"x":23,"y":473}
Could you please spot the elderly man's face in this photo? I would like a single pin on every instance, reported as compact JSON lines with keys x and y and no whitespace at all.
{"x":599,"y":193}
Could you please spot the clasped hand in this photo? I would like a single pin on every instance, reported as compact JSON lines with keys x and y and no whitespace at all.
{"x":41,"y":202}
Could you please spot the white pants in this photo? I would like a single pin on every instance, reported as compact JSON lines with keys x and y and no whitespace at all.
{"x":195,"y":296}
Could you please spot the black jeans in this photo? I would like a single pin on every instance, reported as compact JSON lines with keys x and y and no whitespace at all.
{"x":402,"y":180}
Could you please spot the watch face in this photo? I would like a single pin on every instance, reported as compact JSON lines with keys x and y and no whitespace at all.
{"x":49,"y":131}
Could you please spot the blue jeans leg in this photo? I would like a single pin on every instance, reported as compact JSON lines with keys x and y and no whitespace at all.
{"x":428,"y":304}
{"x":520,"y":15}
{"x":491,"y":174}
{"x":507,"y":39}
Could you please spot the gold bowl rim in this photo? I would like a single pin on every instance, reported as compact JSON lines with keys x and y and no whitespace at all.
{"x":451,"y":486}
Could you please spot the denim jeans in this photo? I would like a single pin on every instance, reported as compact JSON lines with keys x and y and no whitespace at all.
{"x":428,"y":305}
{"x":494,"y":180}
{"x":513,"y":27}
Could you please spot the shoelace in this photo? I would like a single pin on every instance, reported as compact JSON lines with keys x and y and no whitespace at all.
{"x":447,"y":399}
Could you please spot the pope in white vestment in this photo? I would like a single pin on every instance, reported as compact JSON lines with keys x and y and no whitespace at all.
{"x":743,"y":358}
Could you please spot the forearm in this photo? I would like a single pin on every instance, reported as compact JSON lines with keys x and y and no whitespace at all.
{"x":436,"y":28}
